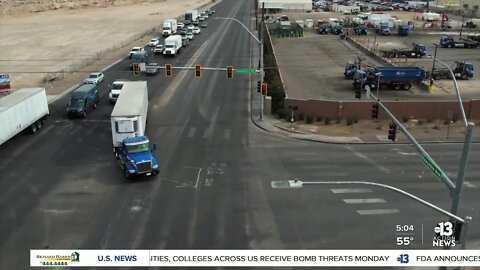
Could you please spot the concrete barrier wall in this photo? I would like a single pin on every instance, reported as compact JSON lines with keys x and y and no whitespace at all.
{"x":363,"y":109}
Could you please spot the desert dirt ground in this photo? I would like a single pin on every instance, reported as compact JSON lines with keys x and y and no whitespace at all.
{"x":57,"y":38}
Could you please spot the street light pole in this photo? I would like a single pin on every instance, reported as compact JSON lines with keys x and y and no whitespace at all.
{"x":434,"y":57}
{"x":259,"y":41}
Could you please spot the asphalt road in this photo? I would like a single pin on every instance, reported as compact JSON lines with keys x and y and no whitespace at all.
{"x":62,"y":188}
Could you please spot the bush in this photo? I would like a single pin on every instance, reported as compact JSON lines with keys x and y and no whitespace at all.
{"x":420,"y":121}
{"x":338,"y":120}
{"x":300,"y":117}
{"x":309,"y":120}
{"x":283,"y":113}
{"x":405,"y":119}
{"x":327,"y":120}
{"x":352,"y":120}
{"x":319,"y":119}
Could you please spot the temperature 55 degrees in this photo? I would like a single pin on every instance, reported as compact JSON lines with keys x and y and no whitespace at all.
{"x":404,"y":240}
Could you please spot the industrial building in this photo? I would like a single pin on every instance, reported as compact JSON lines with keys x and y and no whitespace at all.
{"x":286,"y":5}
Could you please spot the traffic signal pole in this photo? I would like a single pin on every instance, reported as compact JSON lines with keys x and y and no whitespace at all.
{"x":260,"y":41}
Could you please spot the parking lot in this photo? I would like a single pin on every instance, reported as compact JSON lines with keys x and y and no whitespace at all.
{"x":313,"y":66}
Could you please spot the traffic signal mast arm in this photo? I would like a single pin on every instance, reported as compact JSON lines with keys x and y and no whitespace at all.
{"x":415,"y":144}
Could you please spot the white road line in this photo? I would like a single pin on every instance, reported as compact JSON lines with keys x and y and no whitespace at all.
{"x":469,"y":185}
{"x":320,"y":166}
{"x":191,"y":132}
{"x":198,"y":178}
{"x":374,"y":163}
{"x":350,"y":190}
{"x":378,"y":211}
{"x":226,"y":134}
{"x":368,"y":200}
{"x":206,"y":133}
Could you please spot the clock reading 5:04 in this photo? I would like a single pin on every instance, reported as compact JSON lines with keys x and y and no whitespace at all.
{"x":404,"y":228}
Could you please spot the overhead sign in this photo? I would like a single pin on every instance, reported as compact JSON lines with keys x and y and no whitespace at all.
{"x":4,"y":82}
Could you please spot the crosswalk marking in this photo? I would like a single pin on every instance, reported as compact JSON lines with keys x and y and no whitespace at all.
{"x":191,"y":132}
{"x":378,"y":211}
{"x":226,"y":134}
{"x":206,"y":133}
{"x":368,"y":200}
{"x":351,"y":190}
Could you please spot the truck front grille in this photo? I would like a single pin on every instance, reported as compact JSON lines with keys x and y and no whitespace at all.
{"x":144,"y":167}
{"x":115,"y":95}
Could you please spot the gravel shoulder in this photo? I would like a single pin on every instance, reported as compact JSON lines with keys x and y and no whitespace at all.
{"x":64,"y":41}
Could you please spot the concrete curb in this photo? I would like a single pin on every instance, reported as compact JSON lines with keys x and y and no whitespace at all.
{"x":289,"y":130}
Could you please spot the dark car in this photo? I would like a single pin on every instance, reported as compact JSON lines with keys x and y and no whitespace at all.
{"x":83,"y":99}
{"x":361,"y":30}
{"x":185,"y":41}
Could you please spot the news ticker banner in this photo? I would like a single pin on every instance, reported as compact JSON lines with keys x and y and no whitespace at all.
{"x":253,"y":258}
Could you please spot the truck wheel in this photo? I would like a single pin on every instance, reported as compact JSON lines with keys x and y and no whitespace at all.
{"x":436,"y":77}
{"x":396,"y":87}
{"x":127,"y":174}
{"x":84,"y":114}
{"x":407,"y":86}
{"x":94,"y":105}
{"x":33,"y":128}
{"x":449,"y":46}
{"x":38,"y":124}
{"x":464,"y":77}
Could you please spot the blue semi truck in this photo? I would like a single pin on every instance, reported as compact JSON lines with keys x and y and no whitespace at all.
{"x":128,"y":121}
{"x":396,"y":78}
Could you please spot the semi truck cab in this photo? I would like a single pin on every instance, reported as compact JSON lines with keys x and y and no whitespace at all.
{"x":136,"y":157}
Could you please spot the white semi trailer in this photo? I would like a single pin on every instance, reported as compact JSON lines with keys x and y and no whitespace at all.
{"x":25,"y":109}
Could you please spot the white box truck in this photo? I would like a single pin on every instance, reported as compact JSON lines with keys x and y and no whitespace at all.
{"x":169,"y":27}
{"x":191,"y":16}
{"x":128,"y":121}
{"x":25,"y":109}
{"x":172,"y":45}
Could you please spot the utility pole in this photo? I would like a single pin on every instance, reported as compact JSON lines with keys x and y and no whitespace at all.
{"x":262,"y":71}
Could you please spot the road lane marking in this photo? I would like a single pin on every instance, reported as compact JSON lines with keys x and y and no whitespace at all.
{"x":469,"y":185}
{"x":226,"y":134}
{"x":368,"y":200}
{"x":206,"y":133}
{"x":167,"y":95}
{"x":374,"y":163}
{"x":191,"y":132}
{"x":198,"y":178}
{"x":331,"y":174}
{"x":350,"y":190}
{"x":378,"y":211}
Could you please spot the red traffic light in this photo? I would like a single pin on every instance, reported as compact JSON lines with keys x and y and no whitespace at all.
{"x":168,"y":69}
{"x":197,"y":71}
{"x":229,"y":71}
{"x":264,"y":89}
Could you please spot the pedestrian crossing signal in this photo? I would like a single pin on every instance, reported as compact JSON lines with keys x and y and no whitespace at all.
{"x":168,"y":70}
{"x":229,"y":72}
{"x":197,"y":71}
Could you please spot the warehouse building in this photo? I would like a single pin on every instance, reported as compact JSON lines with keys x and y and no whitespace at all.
{"x":286,"y":5}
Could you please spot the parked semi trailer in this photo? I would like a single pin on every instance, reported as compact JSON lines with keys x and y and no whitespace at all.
{"x":416,"y":51}
{"x":128,"y":121}
{"x":461,"y":70}
{"x":398,"y":78}
{"x":450,"y":42}
{"x":25,"y":109}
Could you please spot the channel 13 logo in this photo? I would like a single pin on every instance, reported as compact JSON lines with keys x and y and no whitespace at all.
{"x":445,"y":234}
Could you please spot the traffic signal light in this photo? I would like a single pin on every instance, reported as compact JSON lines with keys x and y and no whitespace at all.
{"x":259,"y":86}
{"x":375,"y":110}
{"x":229,"y":72}
{"x":358,"y":93}
{"x":264,"y":89}
{"x":392,"y":131}
{"x":136,"y":69}
{"x":197,"y":71}
{"x":168,"y":70}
